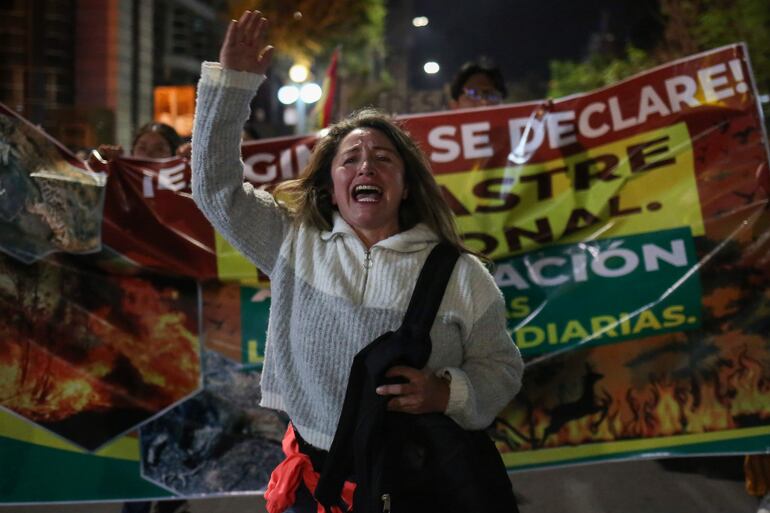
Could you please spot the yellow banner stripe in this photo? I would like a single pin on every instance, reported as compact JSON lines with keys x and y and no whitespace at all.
{"x":650,"y":187}
{"x":11,"y":426}
{"x":564,"y":454}
{"x":233,"y":266}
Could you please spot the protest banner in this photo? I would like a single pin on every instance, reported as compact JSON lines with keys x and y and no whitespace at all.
{"x":49,"y":201}
{"x":630,"y":233}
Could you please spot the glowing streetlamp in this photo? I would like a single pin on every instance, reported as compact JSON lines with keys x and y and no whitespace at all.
{"x":431,"y":67}
{"x":298,"y":73}
{"x":288,"y":94}
{"x":299,"y":92}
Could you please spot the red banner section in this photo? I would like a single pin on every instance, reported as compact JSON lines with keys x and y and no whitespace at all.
{"x":676,"y":146}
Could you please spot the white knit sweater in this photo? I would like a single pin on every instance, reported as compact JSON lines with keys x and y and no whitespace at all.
{"x":330,"y":296}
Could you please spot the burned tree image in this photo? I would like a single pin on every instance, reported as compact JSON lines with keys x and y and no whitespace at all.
{"x":50,"y":201}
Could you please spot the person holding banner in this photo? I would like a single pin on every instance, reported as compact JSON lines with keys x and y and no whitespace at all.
{"x":477,"y":84}
{"x":343,"y":245}
{"x":152,"y":141}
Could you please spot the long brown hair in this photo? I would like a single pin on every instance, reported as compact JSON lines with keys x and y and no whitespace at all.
{"x":309,"y":196}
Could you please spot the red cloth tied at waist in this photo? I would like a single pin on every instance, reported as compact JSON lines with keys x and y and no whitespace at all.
{"x":282,"y":488}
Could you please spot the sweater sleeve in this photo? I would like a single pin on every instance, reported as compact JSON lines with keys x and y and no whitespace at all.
{"x":247,"y":218}
{"x":491,"y":371}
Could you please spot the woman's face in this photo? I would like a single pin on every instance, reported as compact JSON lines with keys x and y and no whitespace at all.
{"x":368,"y":184}
{"x":151,"y":145}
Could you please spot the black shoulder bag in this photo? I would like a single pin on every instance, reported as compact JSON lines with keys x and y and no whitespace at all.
{"x":403,"y":463}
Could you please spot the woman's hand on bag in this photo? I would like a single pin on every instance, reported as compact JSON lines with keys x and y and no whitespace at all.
{"x":244,"y":46}
{"x":424,"y":392}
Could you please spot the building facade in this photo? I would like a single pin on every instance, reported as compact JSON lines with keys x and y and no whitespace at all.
{"x":87,"y":70}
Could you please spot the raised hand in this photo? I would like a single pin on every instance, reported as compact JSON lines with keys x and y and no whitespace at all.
{"x":244,"y":46}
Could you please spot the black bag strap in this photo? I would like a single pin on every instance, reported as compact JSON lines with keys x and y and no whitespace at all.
{"x":429,"y":292}
{"x":418,"y":319}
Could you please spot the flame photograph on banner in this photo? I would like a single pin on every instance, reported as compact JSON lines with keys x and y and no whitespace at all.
{"x":97,"y":362}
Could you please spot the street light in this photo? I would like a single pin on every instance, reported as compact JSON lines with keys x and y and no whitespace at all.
{"x":310,"y":92}
{"x":299,"y":92}
{"x":431,"y":67}
{"x":298,"y":73}
{"x":288,"y":94}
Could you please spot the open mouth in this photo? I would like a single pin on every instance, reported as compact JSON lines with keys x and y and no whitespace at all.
{"x":367,"y":193}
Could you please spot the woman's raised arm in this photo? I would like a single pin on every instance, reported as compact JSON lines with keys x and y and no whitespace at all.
{"x":247,"y":218}
{"x":244,"y":47}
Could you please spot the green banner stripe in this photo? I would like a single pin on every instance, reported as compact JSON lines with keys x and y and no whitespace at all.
{"x":43,"y":474}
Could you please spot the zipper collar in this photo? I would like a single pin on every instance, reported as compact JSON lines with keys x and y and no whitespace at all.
{"x":415,"y":239}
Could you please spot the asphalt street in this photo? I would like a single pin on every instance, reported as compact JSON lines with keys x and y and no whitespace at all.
{"x":689,"y":485}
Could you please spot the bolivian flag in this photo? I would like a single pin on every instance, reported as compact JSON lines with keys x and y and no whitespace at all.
{"x":325,"y":106}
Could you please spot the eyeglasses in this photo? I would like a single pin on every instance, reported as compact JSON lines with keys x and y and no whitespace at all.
{"x":479,"y":95}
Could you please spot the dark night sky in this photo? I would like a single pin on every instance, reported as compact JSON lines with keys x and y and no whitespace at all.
{"x":521,"y":35}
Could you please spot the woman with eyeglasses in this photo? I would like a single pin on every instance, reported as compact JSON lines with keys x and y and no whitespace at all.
{"x":477,"y":85}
